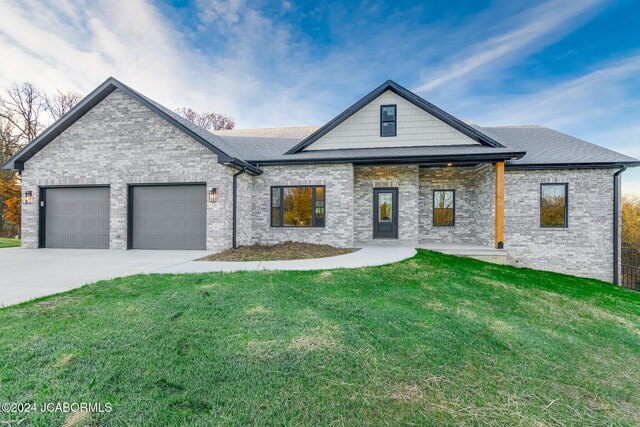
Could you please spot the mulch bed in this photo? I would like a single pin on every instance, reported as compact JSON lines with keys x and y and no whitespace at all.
{"x":278,"y":252}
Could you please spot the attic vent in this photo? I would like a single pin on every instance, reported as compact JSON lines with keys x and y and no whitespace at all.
{"x":388,"y":120}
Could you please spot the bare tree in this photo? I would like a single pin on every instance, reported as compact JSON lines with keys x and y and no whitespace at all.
{"x":60,"y":103}
{"x":209,"y":121}
{"x":22,"y":107}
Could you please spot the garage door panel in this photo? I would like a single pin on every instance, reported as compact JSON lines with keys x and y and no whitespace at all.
{"x":77,"y":218}
{"x":169,"y":217}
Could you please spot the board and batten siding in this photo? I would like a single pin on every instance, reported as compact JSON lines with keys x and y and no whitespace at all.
{"x":415,"y":128}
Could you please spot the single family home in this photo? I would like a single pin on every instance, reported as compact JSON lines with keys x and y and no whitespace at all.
{"x":120,"y":171}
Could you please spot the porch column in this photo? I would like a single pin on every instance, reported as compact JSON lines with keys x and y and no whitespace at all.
{"x":499,"y":205}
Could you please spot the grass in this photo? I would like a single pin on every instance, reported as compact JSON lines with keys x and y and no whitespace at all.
{"x":9,"y":243}
{"x":277,"y":252}
{"x":435,"y":340}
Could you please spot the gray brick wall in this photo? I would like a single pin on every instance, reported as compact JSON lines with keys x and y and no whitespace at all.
{"x":338,"y":180}
{"x":121,"y":142}
{"x":244,"y":221}
{"x":474,"y":204}
{"x":369,"y":177}
{"x":585,"y":248}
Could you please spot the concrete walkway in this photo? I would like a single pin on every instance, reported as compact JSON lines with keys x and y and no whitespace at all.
{"x":365,"y":257}
{"x":26,"y":274}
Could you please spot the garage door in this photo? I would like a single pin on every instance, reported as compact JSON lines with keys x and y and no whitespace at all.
{"x":77,"y":218}
{"x":168,"y":217}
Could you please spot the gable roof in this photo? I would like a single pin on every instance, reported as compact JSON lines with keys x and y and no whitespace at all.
{"x":527,"y":146}
{"x":226,"y":154}
{"x":392,"y":86}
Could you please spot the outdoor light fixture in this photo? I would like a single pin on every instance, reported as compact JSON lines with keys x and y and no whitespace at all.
{"x":27,"y":198}
{"x":449,"y":164}
{"x":213,"y":195}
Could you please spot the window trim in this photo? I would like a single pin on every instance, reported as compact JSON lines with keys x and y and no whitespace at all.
{"x":566,"y":205}
{"x":313,"y":206}
{"x":433,"y":216}
{"x":395,"y":120}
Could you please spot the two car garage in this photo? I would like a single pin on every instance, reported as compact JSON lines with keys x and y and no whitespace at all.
{"x":158,"y":217}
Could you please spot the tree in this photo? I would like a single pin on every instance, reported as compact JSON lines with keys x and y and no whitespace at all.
{"x":58,"y":104}
{"x":10,"y":196}
{"x":209,"y":121}
{"x":631,"y":229}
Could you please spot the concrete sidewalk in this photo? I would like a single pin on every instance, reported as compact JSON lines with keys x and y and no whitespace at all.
{"x":365,"y":257}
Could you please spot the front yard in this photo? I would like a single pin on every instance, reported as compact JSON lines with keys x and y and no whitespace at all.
{"x":9,"y":243}
{"x":432,"y":340}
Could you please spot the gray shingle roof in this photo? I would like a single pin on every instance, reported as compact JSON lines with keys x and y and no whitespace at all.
{"x":542,"y":146}
{"x":548,"y":146}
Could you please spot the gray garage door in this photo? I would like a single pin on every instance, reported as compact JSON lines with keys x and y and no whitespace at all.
{"x":169,"y":217}
{"x":77,"y":218}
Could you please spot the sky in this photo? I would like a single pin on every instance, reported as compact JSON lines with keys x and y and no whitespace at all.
{"x":572,"y":65}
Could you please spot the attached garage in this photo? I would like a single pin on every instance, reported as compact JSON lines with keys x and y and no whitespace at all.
{"x":75,"y":217}
{"x":167,"y":216}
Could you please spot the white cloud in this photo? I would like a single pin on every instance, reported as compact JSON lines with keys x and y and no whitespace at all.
{"x":599,"y":94}
{"x":534,"y":29}
{"x":75,"y":45}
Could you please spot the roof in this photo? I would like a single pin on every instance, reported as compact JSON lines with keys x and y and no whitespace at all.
{"x":548,"y":147}
{"x":528,"y":146}
{"x":226,"y":154}
{"x":537,"y":146}
{"x":394,"y":87}
{"x":269,"y":146}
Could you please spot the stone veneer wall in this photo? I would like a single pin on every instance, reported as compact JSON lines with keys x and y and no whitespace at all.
{"x":367,"y":178}
{"x":121,"y":142}
{"x":338,"y":179}
{"x":474,"y":204}
{"x":585,"y":247}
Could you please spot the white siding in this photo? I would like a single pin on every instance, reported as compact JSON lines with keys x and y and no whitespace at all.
{"x":415,"y":127}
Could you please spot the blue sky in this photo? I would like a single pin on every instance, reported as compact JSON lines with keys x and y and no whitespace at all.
{"x":567,"y":64}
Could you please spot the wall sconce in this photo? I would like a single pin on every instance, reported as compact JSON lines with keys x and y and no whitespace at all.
{"x":213,"y":195}
{"x":27,"y":198}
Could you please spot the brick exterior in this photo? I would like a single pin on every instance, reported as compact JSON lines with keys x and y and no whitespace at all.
{"x":474,"y":204}
{"x":121,"y":142}
{"x":338,"y":180}
{"x":585,"y":247}
{"x":405,"y":178}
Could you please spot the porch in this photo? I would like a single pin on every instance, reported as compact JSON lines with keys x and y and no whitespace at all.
{"x":451,"y":208}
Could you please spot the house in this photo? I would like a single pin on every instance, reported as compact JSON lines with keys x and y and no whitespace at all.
{"x":120,"y":171}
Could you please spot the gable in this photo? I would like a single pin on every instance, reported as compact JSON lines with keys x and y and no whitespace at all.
{"x":116,"y":137}
{"x":205,"y":138}
{"x":415,"y":128}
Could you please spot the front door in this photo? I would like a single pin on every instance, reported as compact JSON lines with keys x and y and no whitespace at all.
{"x":385,"y":213}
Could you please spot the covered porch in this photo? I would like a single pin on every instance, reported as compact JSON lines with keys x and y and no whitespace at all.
{"x":449,"y":207}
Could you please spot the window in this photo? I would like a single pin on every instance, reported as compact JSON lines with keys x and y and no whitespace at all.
{"x":444,"y":208}
{"x":553,"y":205}
{"x":388,"y":120}
{"x":297,"y":206}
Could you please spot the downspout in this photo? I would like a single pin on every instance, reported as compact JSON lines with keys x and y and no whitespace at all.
{"x":616,"y":224}
{"x":235,"y":204}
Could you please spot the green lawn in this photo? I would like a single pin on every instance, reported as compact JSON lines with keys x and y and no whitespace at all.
{"x":432,"y":340}
{"x":9,"y":243}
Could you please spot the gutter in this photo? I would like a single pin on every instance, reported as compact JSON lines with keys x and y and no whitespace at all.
{"x":235,"y":205}
{"x":435,"y":160}
{"x":616,"y":225}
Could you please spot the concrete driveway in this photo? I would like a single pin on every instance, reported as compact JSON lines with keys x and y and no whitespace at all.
{"x":31,"y":273}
